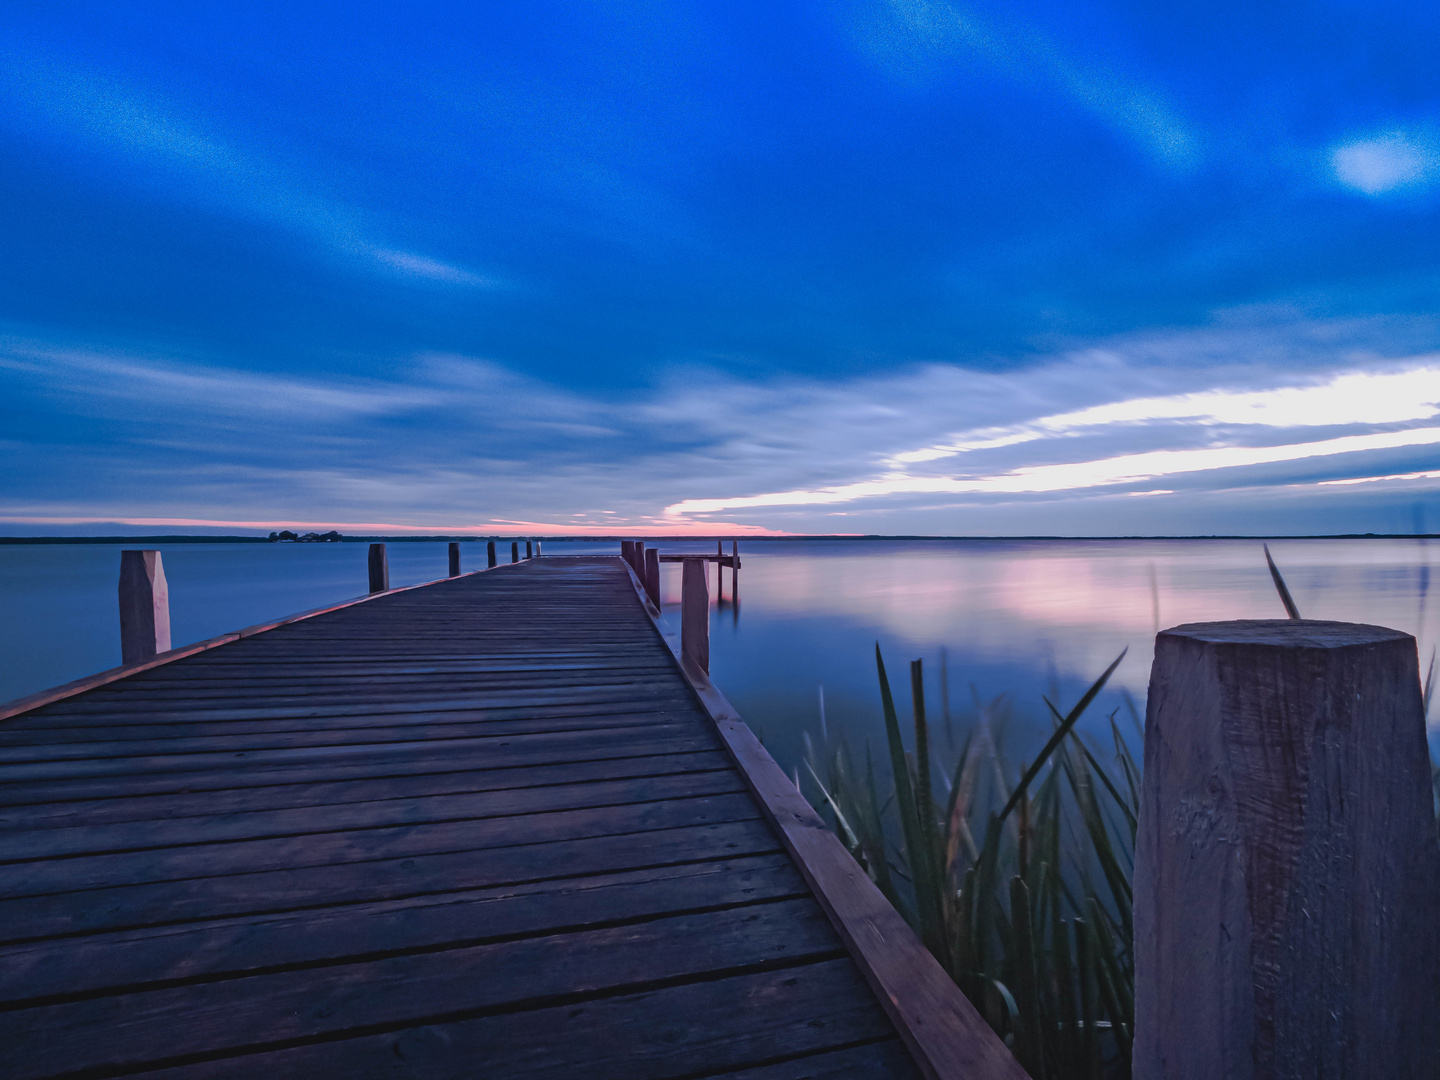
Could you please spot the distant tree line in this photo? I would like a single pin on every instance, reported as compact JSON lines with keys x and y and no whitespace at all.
{"x":285,"y":536}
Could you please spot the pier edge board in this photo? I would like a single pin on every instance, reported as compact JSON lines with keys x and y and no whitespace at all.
{"x":945,"y":1035}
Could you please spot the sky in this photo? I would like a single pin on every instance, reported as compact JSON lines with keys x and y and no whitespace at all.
{"x":862,"y":266}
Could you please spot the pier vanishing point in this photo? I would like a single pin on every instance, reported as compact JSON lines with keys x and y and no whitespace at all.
{"x":487,"y":827}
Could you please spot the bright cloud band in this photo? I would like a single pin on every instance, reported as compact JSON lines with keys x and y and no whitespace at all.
{"x":1128,"y":468}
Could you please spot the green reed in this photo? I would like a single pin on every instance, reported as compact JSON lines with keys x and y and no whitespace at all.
{"x":1017,"y":878}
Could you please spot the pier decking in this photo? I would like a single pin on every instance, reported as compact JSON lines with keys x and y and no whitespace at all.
{"x":483,"y":828}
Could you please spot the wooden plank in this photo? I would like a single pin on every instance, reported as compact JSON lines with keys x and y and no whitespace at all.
{"x":358,"y":846}
{"x":58,"y":970}
{"x":332,"y":792}
{"x":585,"y":746}
{"x":377,"y":813}
{"x":127,"y":1030}
{"x":489,"y":750}
{"x":121,"y":907}
{"x":694,"y":1029}
{"x":947,"y":1038}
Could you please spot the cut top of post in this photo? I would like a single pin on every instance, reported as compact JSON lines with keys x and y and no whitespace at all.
{"x":1286,"y":633}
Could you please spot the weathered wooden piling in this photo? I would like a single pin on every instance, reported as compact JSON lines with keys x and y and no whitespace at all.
{"x":638,"y":562}
{"x":1287,"y":876}
{"x":651,"y":577}
{"x":529,"y":549}
{"x":514,"y":551}
{"x":695,"y":616}
{"x":490,"y":553}
{"x":454,"y":559}
{"x":379,"y":569}
{"x":144,"y":606}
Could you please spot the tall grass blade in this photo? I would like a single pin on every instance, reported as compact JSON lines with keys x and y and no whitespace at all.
{"x":1056,"y":739}
{"x":1285,"y":599}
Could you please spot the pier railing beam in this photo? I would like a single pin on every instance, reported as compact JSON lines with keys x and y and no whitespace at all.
{"x":379,"y":569}
{"x":1287,"y":875}
{"x":651,"y":577}
{"x":144,"y":606}
{"x":695,"y":616}
{"x":454,"y":559}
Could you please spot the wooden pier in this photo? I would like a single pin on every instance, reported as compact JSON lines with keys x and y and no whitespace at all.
{"x":487,"y":827}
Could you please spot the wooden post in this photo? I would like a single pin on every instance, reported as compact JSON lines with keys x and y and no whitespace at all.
{"x":627,"y":551}
{"x":514,"y":551}
{"x":719,"y":571}
{"x":734,"y":572}
{"x":529,"y":549}
{"x":144,"y":606}
{"x":639,"y":561}
{"x":652,"y":575}
{"x":1287,"y":876}
{"x":454,"y":559}
{"x":490,"y":552}
{"x":537,"y":549}
{"x":379,"y":569}
{"x":695,"y":616}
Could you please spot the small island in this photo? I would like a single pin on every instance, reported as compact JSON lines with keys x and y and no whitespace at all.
{"x":287,"y":537}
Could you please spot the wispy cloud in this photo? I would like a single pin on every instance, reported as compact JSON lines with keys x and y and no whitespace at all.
{"x":191,"y":158}
{"x":899,"y":33}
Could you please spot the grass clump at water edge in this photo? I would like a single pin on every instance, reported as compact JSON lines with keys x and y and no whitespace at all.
{"x":1017,"y":878}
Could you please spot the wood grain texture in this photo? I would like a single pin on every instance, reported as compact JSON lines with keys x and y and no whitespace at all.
{"x":946,"y":1037}
{"x":1287,"y":879}
{"x":482,"y":828}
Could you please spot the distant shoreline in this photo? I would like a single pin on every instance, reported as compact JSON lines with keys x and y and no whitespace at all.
{"x":442,"y":537}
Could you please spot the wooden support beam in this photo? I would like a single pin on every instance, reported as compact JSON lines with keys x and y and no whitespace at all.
{"x":695,"y":617}
{"x":514,"y":551}
{"x":1287,"y":875}
{"x":627,"y":552}
{"x":490,"y":553}
{"x":379,"y":569}
{"x":454,"y":559}
{"x":529,"y":549}
{"x":144,"y":606}
{"x":651,"y":576}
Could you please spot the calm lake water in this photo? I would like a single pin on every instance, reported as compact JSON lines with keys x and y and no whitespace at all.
{"x":1003,"y":617}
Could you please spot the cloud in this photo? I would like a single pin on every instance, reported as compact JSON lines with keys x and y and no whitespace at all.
{"x":1357,"y":397}
{"x":923,"y":35}
{"x":190,"y":158}
{"x":441,"y":441}
{"x":1384,"y":163}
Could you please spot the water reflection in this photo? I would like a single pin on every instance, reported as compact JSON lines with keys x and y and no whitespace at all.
{"x":1014,"y":617}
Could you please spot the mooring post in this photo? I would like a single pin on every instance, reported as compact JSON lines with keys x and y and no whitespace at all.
{"x":144,"y":606}
{"x":734,"y":571}
{"x":379,"y":569}
{"x":638,"y":562}
{"x":1287,"y":874}
{"x":529,"y":549}
{"x":695,"y":616}
{"x":514,"y":551}
{"x":490,"y":553}
{"x":627,"y":551}
{"x":538,"y":552}
{"x":652,"y":575}
{"x":454,"y":559}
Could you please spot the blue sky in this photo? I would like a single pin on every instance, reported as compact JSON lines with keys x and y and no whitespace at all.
{"x":867,"y":267}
